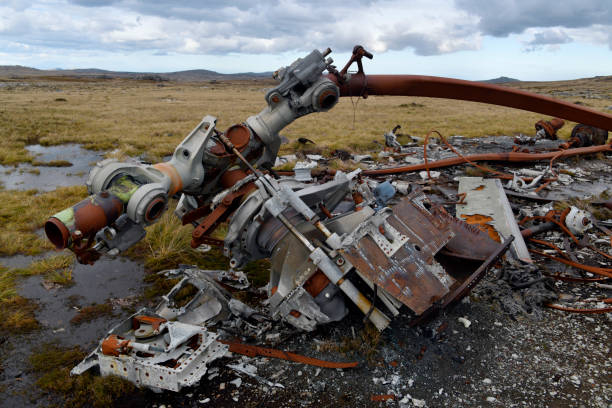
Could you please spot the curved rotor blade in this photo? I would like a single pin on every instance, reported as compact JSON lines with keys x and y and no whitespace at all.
{"x":438,"y":87}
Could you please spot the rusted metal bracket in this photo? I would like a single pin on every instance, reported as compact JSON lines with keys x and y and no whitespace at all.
{"x":220,"y":213}
{"x":255,"y":351}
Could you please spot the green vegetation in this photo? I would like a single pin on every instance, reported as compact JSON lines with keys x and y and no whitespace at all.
{"x":16,"y":312}
{"x":167,"y":244}
{"x":53,"y":364}
{"x":52,"y":163}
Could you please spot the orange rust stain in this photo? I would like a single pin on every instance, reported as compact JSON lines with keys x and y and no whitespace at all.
{"x":175,"y":178}
{"x":482,"y":222}
{"x":316,"y":283}
{"x":480,"y":187}
{"x":386,"y":397}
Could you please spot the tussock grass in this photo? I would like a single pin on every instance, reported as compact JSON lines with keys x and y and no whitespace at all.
{"x":52,"y":364}
{"x":167,"y":245}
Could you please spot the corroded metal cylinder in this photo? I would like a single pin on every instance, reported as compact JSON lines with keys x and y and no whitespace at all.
{"x":81,"y":221}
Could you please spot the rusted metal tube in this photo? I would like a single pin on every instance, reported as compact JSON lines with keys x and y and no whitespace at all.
{"x":84,"y":219}
{"x":437,"y":87}
{"x":502,"y":157}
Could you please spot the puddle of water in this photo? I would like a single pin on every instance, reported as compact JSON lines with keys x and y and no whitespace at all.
{"x":108,"y":278}
{"x":20,"y":178}
{"x":21,"y":261}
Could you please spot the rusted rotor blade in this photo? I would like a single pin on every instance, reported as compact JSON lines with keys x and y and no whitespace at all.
{"x":501,"y":157}
{"x":254,"y":351}
{"x":439,"y":87}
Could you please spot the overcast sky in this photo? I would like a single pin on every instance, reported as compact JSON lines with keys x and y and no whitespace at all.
{"x":470,"y":39}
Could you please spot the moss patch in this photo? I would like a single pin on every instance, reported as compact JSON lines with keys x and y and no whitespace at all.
{"x":16,"y":312}
{"x":53,"y":363}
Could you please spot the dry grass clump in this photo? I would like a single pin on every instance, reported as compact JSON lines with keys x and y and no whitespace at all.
{"x":167,"y":245}
{"x":24,"y":212}
{"x":365,"y":343}
{"x":53,"y":363}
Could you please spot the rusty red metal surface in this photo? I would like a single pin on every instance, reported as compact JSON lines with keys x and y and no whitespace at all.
{"x":90,"y":216}
{"x":502,"y":157}
{"x":438,"y":87}
{"x":255,"y":351}
{"x":407,"y":274}
{"x":550,"y":127}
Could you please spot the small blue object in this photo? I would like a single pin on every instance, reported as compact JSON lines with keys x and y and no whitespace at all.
{"x":383,"y":193}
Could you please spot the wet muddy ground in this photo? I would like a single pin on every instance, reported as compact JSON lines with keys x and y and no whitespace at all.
{"x":74,"y":170}
{"x":545,"y":358}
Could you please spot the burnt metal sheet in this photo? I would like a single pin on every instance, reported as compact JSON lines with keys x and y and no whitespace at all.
{"x":409,"y":272}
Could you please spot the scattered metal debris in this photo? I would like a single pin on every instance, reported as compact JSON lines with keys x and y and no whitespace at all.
{"x":331,"y":237}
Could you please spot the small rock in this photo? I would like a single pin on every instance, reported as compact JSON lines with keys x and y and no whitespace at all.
{"x":464,"y":321}
{"x":221,"y":387}
{"x":418,"y":402}
{"x":204,"y":401}
{"x":491,"y":399}
{"x":487,"y":381}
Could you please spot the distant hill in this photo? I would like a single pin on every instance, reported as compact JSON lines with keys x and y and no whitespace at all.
{"x":500,"y":80}
{"x":194,"y":75}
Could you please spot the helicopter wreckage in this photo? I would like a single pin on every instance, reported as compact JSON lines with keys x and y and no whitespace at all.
{"x":330,"y":243}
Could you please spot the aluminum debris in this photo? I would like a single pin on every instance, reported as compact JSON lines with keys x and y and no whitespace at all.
{"x":486,"y":204}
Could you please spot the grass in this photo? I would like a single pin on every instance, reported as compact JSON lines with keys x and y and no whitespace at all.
{"x":167,"y":244}
{"x":599,"y":212}
{"x":365,"y":343}
{"x":52,"y":364}
{"x":17,"y":313}
{"x":139,"y":117}
{"x":24,"y":212}
{"x":52,"y":163}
